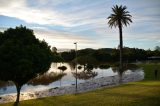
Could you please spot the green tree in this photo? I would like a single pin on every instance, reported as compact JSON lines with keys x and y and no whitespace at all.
{"x":68,"y":56}
{"x":102,"y":55}
{"x":22,"y":56}
{"x":119,"y":18}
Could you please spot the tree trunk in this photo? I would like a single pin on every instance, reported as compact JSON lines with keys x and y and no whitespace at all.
{"x":18,"y":87}
{"x":121,"y":48}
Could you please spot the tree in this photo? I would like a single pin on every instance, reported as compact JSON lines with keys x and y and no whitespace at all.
{"x":56,"y":57}
{"x":54,"y":50}
{"x":102,"y":55}
{"x":22,"y":56}
{"x":83,"y":60}
{"x":157,"y":48}
{"x":119,"y":18}
{"x":68,"y":56}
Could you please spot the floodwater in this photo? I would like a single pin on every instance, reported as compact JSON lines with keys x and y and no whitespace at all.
{"x":55,"y":77}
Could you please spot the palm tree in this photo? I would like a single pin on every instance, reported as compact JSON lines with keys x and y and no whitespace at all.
{"x":119,"y":18}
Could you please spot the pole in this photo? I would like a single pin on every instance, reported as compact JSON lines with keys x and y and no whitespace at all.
{"x":76,"y":63}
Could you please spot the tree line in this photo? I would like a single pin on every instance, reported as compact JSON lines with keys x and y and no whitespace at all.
{"x":109,"y":54}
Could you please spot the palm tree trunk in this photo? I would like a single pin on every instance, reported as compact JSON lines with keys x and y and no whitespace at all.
{"x":121,"y":49}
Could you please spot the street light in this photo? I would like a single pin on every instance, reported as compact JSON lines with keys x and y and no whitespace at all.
{"x":76,"y":63}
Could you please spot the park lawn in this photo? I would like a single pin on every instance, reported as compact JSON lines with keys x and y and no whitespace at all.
{"x":141,"y":93}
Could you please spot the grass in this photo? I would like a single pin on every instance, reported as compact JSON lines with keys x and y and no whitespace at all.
{"x":149,"y":69}
{"x":141,"y":93}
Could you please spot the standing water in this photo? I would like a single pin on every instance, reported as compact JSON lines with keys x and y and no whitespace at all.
{"x":57,"y":78}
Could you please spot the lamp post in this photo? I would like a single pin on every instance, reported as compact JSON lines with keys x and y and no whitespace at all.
{"x":76,"y":63}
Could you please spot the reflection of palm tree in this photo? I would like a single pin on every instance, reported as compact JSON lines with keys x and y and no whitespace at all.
{"x":126,"y":67}
{"x":46,"y":78}
{"x":119,"y":18}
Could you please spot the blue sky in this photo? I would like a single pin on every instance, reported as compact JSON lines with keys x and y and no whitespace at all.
{"x":63,"y":22}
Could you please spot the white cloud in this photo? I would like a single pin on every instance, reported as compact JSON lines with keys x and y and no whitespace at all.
{"x":62,"y":39}
{"x":50,"y":16}
{"x":80,"y":18}
{"x":21,"y":11}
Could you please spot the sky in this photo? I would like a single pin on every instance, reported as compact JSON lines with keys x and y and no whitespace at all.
{"x":62,"y":22}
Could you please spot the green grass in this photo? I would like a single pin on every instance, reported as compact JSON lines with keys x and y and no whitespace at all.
{"x":141,"y":93}
{"x":149,"y":69}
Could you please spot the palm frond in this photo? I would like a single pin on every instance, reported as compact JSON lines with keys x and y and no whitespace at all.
{"x":119,"y":14}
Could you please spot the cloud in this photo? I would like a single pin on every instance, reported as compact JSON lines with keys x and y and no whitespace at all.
{"x":22,"y":11}
{"x":84,"y":21}
{"x":52,"y":15}
{"x":62,"y":39}
{"x":67,"y":13}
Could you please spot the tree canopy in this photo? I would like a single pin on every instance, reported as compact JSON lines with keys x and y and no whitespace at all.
{"x":120,"y":17}
{"x":22,"y":56}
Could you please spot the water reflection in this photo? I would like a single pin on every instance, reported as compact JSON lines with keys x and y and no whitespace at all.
{"x":86,"y":74}
{"x":62,"y":68}
{"x":72,"y":65}
{"x":104,"y":66}
{"x":55,"y":77}
{"x":125,"y":68}
{"x":46,"y":78}
{"x":4,"y":85}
